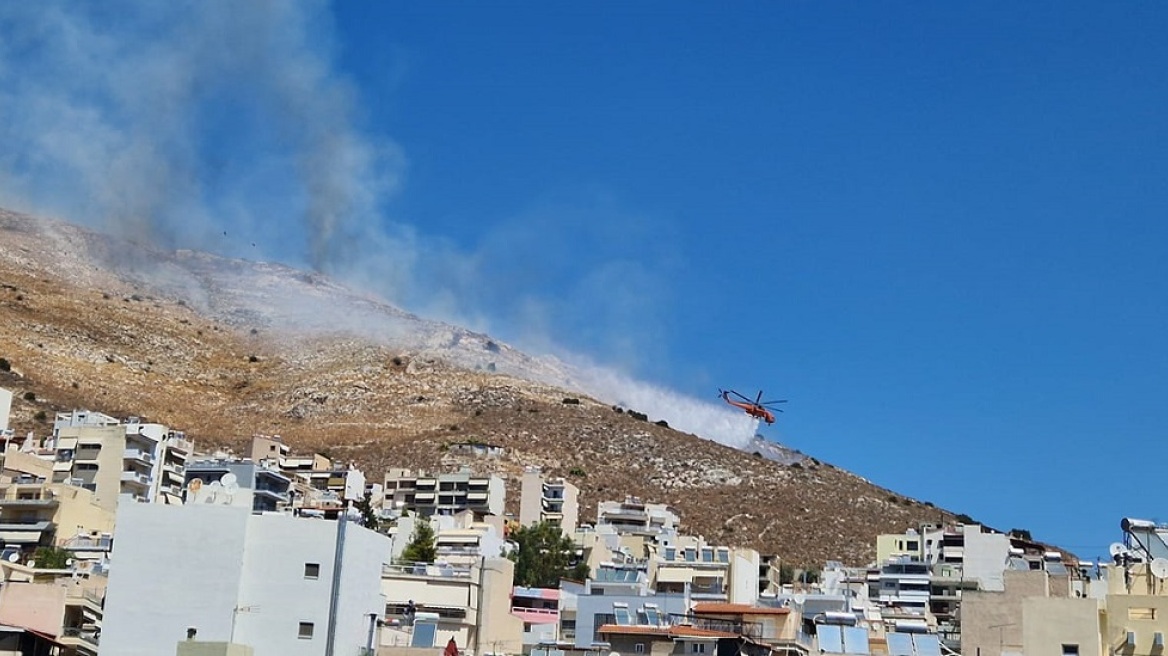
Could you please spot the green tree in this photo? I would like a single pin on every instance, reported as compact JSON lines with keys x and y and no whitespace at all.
{"x":421,"y":548}
{"x":544,"y":556}
{"x":368,"y":517}
{"x":51,"y":558}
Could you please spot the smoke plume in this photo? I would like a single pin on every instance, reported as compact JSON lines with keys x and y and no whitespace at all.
{"x":227,"y":127}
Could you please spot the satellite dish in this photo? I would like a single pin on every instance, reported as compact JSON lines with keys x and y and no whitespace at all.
{"x":214,"y":485}
{"x":1116,"y":549}
{"x":14,"y":557}
{"x":1159,"y":568}
{"x":229,"y":479}
{"x":195,"y":485}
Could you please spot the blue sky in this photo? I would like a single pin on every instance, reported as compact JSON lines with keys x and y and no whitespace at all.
{"x":936,"y":228}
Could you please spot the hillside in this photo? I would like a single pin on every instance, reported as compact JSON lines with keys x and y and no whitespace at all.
{"x":224,"y":349}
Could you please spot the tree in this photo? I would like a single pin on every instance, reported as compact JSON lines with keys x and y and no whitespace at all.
{"x":544,"y":556}
{"x":368,"y":517}
{"x":421,"y":548}
{"x":51,"y":558}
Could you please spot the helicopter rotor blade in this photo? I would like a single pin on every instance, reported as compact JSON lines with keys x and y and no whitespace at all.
{"x":773,"y":402}
{"x":741,"y":397}
{"x":758,"y":399}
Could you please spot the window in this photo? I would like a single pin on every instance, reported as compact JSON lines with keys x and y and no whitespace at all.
{"x":312,"y":570}
{"x":912,"y":545}
{"x":697,"y":648}
{"x":306,"y":630}
{"x":639,"y":648}
{"x":670,"y":553}
{"x":1070,"y":650}
{"x":1141,"y":613}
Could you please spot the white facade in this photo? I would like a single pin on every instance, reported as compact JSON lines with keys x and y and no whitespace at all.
{"x":5,"y":408}
{"x":265,"y":581}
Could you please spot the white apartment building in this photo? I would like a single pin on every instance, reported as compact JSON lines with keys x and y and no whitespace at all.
{"x":634,"y":516}
{"x":442,"y":494}
{"x":458,"y":539}
{"x":283,"y":585}
{"x":552,"y":500}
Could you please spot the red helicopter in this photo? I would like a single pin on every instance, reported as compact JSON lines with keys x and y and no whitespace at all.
{"x":757,"y":408}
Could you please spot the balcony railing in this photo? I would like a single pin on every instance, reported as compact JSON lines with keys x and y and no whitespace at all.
{"x":138,"y":479}
{"x":86,"y":543}
{"x":138,"y":454}
{"x":423,"y":569}
{"x":88,"y":636}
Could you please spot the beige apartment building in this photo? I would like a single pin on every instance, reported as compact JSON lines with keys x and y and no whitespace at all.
{"x":1039,"y":614}
{"x":469,"y":603}
{"x":552,"y":500}
{"x":138,"y":461}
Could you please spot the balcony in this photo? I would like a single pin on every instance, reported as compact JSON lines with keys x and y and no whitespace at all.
{"x":536,"y":615}
{"x":39,"y":501}
{"x":138,"y":455}
{"x":134,"y":478}
{"x":23,"y":532}
{"x":88,"y":543}
{"x":80,"y":638}
{"x":426,"y":570}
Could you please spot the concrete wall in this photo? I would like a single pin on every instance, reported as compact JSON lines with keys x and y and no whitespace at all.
{"x":1051,"y":622}
{"x":172,"y":567}
{"x":991,"y":622}
{"x":5,"y":407}
{"x":204,"y":566}
{"x":744,"y":576}
{"x":17,"y":462}
{"x":36,"y":606}
{"x":201,"y":648}
{"x":79,"y":513}
{"x":985,"y":557}
{"x":1143,"y":615}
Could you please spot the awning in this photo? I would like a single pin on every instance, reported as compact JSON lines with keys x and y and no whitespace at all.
{"x":20,"y":537}
{"x":674,"y":574}
{"x":67,"y":443}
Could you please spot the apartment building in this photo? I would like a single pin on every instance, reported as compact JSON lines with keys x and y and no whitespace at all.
{"x":143,"y":462}
{"x":539,"y":610}
{"x":460,"y":539}
{"x":442,"y":494}
{"x":707,"y":572}
{"x":635,"y":516}
{"x":34,"y":513}
{"x":45,"y":611}
{"x":242,"y":483}
{"x":282,"y":585}
{"x":429,"y":604}
{"x":552,"y":500}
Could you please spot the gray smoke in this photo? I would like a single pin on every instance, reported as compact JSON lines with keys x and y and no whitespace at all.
{"x":173,"y":122}
{"x":225,"y":126}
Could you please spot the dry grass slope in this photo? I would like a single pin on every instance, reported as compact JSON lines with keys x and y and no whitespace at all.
{"x":78,"y":335}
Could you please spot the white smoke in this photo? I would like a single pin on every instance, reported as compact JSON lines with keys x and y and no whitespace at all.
{"x":225,"y":126}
